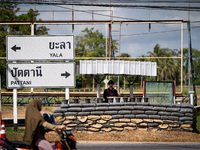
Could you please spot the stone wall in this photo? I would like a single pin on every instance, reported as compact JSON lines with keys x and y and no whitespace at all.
{"x":107,"y":117}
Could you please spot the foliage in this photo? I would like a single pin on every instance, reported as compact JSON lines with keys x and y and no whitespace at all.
{"x":125,"y":55}
{"x":196,"y":64}
{"x":198,"y":121}
{"x":78,"y":81}
{"x":7,"y":14}
{"x":168,"y":69}
{"x":91,"y":43}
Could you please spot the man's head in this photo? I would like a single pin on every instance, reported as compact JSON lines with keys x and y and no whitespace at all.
{"x":110,"y":84}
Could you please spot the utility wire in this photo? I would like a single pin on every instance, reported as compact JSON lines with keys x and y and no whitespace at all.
{"x":112,"y":4}
{"x":177,"y":8}
{"x":119,"y":17}
{"x":146,"y":33}
{"x":100,"y":1}
{"x":131,"y":19}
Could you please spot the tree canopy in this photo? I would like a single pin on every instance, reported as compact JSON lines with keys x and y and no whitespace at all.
{"x":92,"y":43}
{"x":8,"y":12}
{"x":169,"y":69}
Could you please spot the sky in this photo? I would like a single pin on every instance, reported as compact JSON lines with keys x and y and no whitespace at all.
{"x":136,"y":39}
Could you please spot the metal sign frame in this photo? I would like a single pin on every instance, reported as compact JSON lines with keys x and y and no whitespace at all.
{"x":63,"y":73}
{"x":39,"y":53}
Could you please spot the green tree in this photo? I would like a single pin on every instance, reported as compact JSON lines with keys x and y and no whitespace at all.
{"x":8,"y":12}
{"x":91,"y":43}
{"x":167,"y":68}
{"x":196,"y":64}
{"x":125,"y":55}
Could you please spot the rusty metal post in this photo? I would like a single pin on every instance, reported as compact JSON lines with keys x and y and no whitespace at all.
{"x":53,"y":15}
{"x":119,"y":52}
{"x":92,"y":16}
{"x":110,"y":40}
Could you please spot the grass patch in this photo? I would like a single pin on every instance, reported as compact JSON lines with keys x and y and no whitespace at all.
{"x":198,"y":121}
{"x":15,"y":135}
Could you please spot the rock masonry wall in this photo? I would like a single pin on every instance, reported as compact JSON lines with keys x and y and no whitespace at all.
{"x":107,"y":117}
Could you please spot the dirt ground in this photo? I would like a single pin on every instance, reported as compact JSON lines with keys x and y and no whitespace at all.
{"x":7,"y":111}
{"x":128,"y":136}
{"x":133,"y":136}
{"x":124,"y":136}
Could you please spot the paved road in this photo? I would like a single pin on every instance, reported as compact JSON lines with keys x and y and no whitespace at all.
{"x":136,"y":146}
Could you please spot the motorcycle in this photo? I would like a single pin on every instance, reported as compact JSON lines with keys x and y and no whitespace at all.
{"x":67,"y":142}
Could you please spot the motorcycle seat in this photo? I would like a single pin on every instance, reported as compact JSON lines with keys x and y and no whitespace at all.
{"x":18,"y":144}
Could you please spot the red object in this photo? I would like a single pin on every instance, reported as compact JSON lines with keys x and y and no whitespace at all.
{"x":174,"y":88}
{"x":143,"y":88}
{"x":58,"y":145}
{"x":3,"y":131}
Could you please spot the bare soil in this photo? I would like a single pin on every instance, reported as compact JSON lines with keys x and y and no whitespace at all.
{"x":128,"y":136}
{"x":133,"y":136}
{"x":7,"y":111}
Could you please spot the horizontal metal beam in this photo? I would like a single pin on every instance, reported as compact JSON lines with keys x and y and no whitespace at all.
{"x":82,"y":22}
{"x":72,"y":94}
{"x":60,"y":94}
{"x":124,"y":58}
{"x":15,"y":22}
{"x":116,"y":58}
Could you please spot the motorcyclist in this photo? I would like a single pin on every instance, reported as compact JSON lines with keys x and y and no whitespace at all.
{"x":35,"y":126}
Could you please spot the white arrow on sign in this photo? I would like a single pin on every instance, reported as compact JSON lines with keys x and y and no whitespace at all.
{"x":41,"y":75}
{"x":27,"y":48}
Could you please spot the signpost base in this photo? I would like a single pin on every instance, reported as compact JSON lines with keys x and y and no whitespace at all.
{"x":15,"y":127}
{"x":15,"y":109}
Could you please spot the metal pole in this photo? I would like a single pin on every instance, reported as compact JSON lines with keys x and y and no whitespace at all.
{"x":93,"y":84}
{"x":119,"y":38}
{"x":110,"y":42}
{"x":15,"y":121}
{"x":66,"y":94}
{"x":119,"y":52}
{"x":98,"y":90}
{"x":191,"y":97}
{"x":191,"y":64}
{"x":181,"y":57}
{"x":131,"y":90}
{"x":106,"y":84}
{"x":32,"y":29}
{"x":189,"y":47}
{"x":32,"y":33}
{"x":106,"y":41}
{"x":189,"y":56}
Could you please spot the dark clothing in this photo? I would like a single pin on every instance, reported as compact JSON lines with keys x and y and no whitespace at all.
{"x":35,"y":123}
{"x":109,"y":93}
{"x":33,"y":119}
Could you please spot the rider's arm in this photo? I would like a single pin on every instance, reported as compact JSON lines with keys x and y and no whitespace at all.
{"x":49,"y":126}
{"x":53,"y":127}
